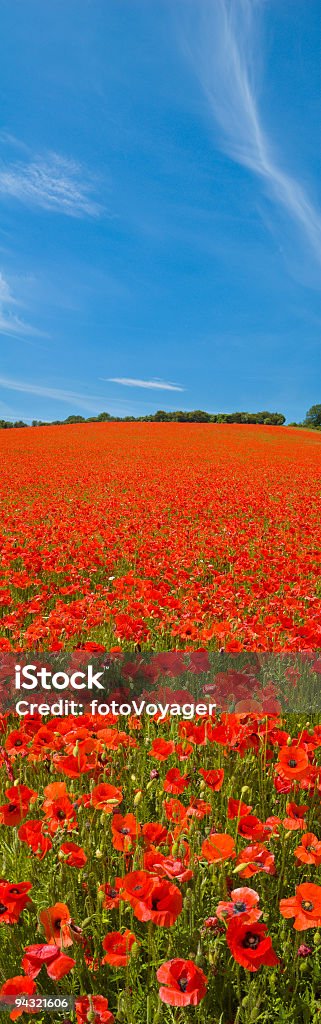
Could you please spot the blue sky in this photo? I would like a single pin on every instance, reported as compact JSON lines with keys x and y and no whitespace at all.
{"x":160,"y":208}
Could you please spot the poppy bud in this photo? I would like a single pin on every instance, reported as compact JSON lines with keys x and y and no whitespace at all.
{"x":240,"y":867}
{"x":133,"y":778}
{"x":98,"y":854}
{"x":202,"y":785}
{"x":91,"y":1017}
{"x":175,"y":849}
{"x":100,"y":896}
{"x":138,"y":798}
{"x":102,"y":818}
{"x":289,"y":741}
{"x":317,"y":939}
{"x":76,"y":749}
{"x":154,"y":774}
{"x":304,"y":967}
{"x":244,"y":790}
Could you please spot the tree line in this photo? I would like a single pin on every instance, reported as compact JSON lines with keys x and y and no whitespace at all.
{"x":312,"y":419}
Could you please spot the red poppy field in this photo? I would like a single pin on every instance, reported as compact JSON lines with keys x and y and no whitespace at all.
{"x":164,"y":869}
{"x":157,"y":869}
{"x":160,"y":535}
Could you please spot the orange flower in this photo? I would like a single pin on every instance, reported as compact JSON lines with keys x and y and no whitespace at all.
{"x":218,"y":847}
{"x":118,"y":948}
{"x":75,"y":855}
{"x":293,"y":762}
{"x":305,"y":906}
{"x":125,"y":830}
{"x":309,"y":851}
{"x":255,"y":858}
{"x":295,"y":819}
{"x":56,"y":922}
{"x":243,"y":905}
{"x":161,"y":749}
{"x":106,"y":797}
{"x":18,"y":986}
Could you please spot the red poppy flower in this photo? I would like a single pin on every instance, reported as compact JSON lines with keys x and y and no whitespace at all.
{"x":295,"y":817}
{"x":182,"y":983}
{"x":125,"y":831}
{"x":97,"y":1006}
{"x":118,"y":948}
{"x":255,"y":858}
{"x":105,"y":797}
{"x":305,"y":906}
{"x":175,"y":811}
{"x":13,"y":900}
{"x":237,"y":809}
{"x":19,"y":798}
{"x":154,"y":833}
{"x":250,"y":827}
{"x":57,"y":964}
{"x":309,"y":851}
{"x":56,"y":922}
{"x":293,"y":762}
{"x":213,"y":777}
{"x":218,"y":848}
{"x":174,"y":782}
{"x":31,"y":833}
{"x":74,"y":854}
{"x":151,"y":898}
{"x":243,"y":904}
{"x":18,"y":986}
{"x":161,"y":749}
{"x":250,"y":945}
{"x":111,"y":896}
{"x":170,"y":867}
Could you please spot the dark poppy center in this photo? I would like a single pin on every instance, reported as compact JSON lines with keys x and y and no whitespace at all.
{"x":292,"y":763}
{"x":112,"y":893}
{"x":154,"y":904}
{"x":18,"y":743}
{"x":183,"y":982}
{"x":61,"y":815}
{"x":58,"y":923}
{"x":3,"y":908}
{"x":14,"y":891}
{"x":12,"y":807}
{"x":240,"y":908}
{"x":125,"y":831}
{"x":251,"y":941}
{"x":307,"y":906}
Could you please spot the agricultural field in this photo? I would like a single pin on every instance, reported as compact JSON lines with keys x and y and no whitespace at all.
{"x":165,"y":536}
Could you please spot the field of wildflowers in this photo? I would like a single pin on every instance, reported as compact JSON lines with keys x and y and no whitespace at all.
{"x":156,"y":869}
{"x":162,"y":535}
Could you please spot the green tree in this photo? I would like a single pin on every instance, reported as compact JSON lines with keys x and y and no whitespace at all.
{"x":313,"y":417}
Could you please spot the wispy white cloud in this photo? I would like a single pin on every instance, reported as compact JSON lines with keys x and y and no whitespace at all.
{"x":88,"y":402}
{"x":225,"y":52}
{"x":51,"y":182}
{"x":154,"y":384}
{"x":10,"y":322}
